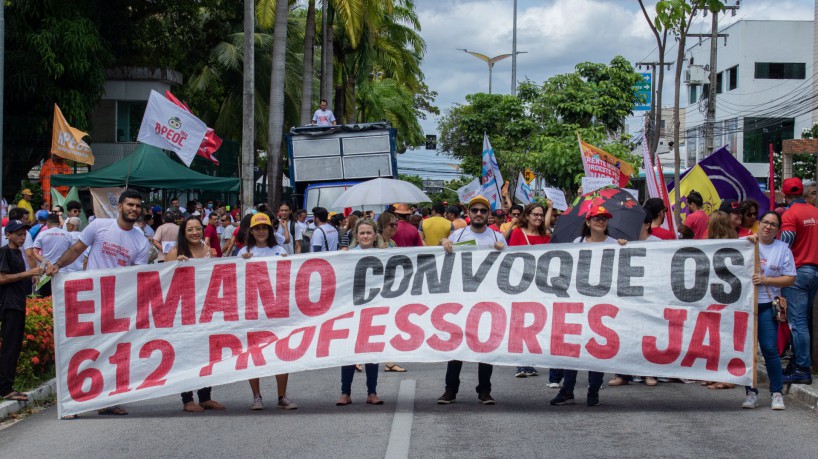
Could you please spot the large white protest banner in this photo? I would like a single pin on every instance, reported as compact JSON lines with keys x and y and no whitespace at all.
{"x":148,"y":331}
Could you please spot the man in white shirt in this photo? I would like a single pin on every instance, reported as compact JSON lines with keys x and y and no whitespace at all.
{"x":114,"y":244}
{"x":325,"y":236}
{"x":323,"y":116}
{"x":482,"y":235}
{"x":288,"y":229}
{"x":73,"y":224}
{"x":50,"y":244}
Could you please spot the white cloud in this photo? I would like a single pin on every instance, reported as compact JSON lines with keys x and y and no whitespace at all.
{"x":556,"y":34}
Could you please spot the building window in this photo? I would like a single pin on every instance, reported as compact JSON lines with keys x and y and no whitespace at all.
{"x":759,"y":133}
{"x":719,"y":79}
{"x":780,"y":70}
{"x":692,"y":92}
{"x":128,"y":119}
{"x":732,"y":78}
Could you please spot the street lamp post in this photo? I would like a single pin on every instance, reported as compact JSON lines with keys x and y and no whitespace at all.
{"x":489,"y":60}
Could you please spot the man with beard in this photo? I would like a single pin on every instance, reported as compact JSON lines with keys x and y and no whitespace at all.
{"x":479,"y":232}
{"x":114,"y":244}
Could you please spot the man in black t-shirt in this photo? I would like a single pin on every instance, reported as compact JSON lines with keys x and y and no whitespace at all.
{"x":15,"y":281}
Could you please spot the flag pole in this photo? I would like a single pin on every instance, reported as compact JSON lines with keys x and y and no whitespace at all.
{"x":771,"y":181}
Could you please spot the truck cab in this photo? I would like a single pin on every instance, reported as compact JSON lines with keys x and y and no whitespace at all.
{"x":327,"y":160}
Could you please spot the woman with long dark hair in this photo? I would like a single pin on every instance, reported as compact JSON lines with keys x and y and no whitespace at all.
{"x":261,"y":241}
{"x":190,"y":244}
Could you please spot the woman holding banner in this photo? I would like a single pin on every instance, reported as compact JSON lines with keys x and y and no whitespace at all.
{"x":387,"y":227}
{"x":364,"y":237}
{"x":262,"y":241}
{"x":777,"y":271}
{"x":190,"y":244}
{"x":531,"y":229}
{"x":595,"y":231}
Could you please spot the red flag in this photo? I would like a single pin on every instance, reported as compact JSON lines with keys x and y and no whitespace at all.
{"x":771,"y":183}
{"x":211,"y":141}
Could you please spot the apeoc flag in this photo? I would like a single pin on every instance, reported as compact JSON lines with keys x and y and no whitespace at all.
{"x":466,"y":192}
{"x":147,"y":331}
{"x":171,"y":127}
{"x":491,"y":178}
{"x":719,"y":176}
{"x":599,"y":163}
{"x":67,"y":142}
{"x":211,"y":141}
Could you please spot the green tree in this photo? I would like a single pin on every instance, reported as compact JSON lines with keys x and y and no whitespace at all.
{"x":538,"y":129}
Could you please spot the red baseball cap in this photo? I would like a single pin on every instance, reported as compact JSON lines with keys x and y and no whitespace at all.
{"x":597,"y":211}
{"x":792,"y":186}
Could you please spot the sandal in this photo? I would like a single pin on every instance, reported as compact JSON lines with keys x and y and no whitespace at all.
{"x":192,"y":407}
{"x":70,"y":417}
{"x":359,"y":368}
{"x":394,"y":367}
{"x":211,"y":405}
{"x":113,"y":411}
{"x":15,"y":396}
{"x":373,"y":400}
{"x":718,"y":385}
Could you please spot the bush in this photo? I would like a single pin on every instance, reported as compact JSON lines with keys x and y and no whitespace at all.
{"x":36,"y":362}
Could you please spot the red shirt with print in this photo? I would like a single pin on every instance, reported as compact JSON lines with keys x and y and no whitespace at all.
{"x":802,"y":218}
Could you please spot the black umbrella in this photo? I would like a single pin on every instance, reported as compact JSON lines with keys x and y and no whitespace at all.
{"x":626,"y":223}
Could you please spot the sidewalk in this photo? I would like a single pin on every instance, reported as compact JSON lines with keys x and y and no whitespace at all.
{"x":805,"y":393}
{"x":39,"y":394}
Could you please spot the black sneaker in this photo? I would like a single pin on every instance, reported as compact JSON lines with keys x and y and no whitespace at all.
{"x":446,"y":398}
{"x":593,"y":398}
{"x":485,"y":399}
{"x":798,"y":377}
{"x":563,"y":398}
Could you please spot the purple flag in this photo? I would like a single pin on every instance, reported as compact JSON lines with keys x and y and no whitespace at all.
{"x":731,"y":179}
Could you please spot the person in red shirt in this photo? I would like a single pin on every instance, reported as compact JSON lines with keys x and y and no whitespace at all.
{"x":211,"y":234}
{"x":406,"y":235}
{"x":696,"y":218}
{"x":656,"y":207}
{"x":530,"y":229}
{"x":799,"y":229}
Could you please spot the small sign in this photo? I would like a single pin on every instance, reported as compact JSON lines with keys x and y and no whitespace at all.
{"x":591,"y":184}
{"x":557,"y":197}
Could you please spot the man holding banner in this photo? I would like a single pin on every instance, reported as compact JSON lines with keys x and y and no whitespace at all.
{"x":475,"y":234}
{"x":114,"y":244}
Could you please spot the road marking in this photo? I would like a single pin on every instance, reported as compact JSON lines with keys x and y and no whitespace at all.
{"x":401,"y":433}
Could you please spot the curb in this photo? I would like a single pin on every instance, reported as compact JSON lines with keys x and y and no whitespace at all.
{"x":44,"y":392}
{"x":805,"y":393}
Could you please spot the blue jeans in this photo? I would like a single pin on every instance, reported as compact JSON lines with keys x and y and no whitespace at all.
{"x":555,"y":375}
{"x":799,"y":304}
{"x":594,"y":380}
{"x":348,"y":372}
{"x":768,"y":340}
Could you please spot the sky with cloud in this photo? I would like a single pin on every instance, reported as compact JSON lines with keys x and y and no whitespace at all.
{"x":555,"y":34}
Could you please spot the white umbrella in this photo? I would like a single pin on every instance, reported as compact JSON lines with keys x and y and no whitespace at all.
{"x":380,"y":191}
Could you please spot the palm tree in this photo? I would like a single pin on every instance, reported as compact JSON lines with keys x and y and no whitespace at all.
{"x":309,"y":46}
{"x":248,"y":133}
{"x":275,"y":125}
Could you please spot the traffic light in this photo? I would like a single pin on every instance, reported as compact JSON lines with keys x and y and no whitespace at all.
{"x":431,"y":142}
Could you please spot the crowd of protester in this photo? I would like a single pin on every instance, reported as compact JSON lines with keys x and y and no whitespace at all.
{"x":53,"y":240}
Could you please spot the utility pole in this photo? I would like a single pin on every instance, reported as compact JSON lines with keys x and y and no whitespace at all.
{"x":653,"y":125}
{"x":513,"y":53}
{"x":714,"y":35}
{"x":2,"y":85}
{"x":248,"y":134}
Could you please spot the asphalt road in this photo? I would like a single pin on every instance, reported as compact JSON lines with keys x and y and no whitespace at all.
{"x":670,"y":420}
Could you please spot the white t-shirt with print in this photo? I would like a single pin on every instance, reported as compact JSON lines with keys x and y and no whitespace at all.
{"x":486,"y":238}
{"x":776,"y":260}
{"x":112,"y":246}
{"x":317,"y":240}
{"x":263,"y":251}
{"x":77,"y":264}
{"x":54,"y":242}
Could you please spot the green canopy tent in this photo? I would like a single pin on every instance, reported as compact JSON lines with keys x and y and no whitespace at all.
{"x":149,"y":167}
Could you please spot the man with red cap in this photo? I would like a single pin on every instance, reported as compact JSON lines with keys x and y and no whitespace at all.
{"x":799,"y":229}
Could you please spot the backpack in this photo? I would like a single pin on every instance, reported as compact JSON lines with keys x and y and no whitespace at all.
{"x":306,"y":236}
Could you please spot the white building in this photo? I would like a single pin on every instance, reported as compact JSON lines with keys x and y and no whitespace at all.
{"x":764,"y":90}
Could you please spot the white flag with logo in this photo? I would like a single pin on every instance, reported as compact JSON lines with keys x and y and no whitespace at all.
{"x":492,"y":179}
{"x":168,"y":126}
{"x":466,"y":192}
{"x":523,"y":191}
{"x":105,"y":201}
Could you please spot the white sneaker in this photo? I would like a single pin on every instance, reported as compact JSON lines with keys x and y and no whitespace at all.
{"x":553,"y":385}
{"x":257,"y":404}
{"x":751,"y":401}
{"x":778,"y":401}
{"x":287,"y":404}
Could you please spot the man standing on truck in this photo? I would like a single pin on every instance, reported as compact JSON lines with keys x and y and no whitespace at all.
{"x":323,"y":116}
